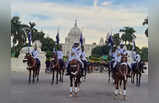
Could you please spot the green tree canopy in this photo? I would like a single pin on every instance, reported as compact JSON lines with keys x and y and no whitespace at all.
{"x":127,"y":34}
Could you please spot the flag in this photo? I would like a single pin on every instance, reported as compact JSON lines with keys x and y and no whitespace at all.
{"x":110,"y":41}
{"x":81,"y":39}
{"x":29,"y":38}
{"x":57,"y":38}
{"x":134,"y":46}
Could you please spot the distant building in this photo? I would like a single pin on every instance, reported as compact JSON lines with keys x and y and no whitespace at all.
{"x":74,"y":36}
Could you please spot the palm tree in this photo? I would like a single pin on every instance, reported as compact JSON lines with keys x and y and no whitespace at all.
{"x":116,"y":39}
{"x":128,"y":34}
{"x":146,"y":23}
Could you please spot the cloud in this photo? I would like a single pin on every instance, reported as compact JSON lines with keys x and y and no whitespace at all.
{"x":95,"y":21}
{"x":106,"y":3}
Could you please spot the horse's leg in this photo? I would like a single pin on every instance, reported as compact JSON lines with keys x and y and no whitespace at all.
{"x":116,"y":87}
{"x":71,"y":85}
{"x":52,"y":82}
{"x":63,"y":74}
{"x":133,"y":76}
{"x":60,"y":72}
{"x":38,"y":71}
{"x":136,"y":79}
{"x":33,"y":76}
{"x":120,"y":87}
{"x":76,"y":84}
{"x":124,"y":87}
{"x":108,"y":75}
{"x":57,"y":72}
{"x":140,"y":79}
{"x":29,"y":80}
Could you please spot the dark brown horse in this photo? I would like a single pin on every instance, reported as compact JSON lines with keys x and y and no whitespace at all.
{"x":33,"y":67}
{"x":75,"y":76}
{"x":137,"y":70}
{"x":120,"y":76}
{"x":58,"y":67}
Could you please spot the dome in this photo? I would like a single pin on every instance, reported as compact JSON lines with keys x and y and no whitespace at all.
{"x":101,"y":42}
{"x":75,"y":31}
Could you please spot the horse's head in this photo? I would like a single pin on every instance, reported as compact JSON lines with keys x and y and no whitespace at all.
{"x":27,"y":57}
{"x":124,"y":58}
{"x":74,"y":65}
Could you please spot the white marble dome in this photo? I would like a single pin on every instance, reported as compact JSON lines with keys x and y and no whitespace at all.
{"x":75,"y":31}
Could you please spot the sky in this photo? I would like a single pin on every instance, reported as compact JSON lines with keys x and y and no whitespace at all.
{"x":95,"y":17}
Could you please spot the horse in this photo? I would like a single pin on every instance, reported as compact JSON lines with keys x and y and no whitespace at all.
{"x":75,"y":75}
{"x":54,"y":68}
{"x":33,"y":66}
{"x":137,"y":71}
{"x":120,"y":76}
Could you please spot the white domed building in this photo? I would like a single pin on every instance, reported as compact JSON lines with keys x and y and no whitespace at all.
{"x":74,"y":36}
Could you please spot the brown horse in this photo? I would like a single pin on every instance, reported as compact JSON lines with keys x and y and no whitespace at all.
{"x":120,"y":76}
{"x":33,"y":66}
{"x":137,"y":71}
{"x":75,"y":76}
{"x":58,"y":67}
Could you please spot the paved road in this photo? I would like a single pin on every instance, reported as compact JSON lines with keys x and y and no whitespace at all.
{"x":95,"y":90}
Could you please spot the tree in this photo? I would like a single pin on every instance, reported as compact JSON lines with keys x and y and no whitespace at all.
{"x":18,"y":34}
{"x":100,"y":51}
{"x":116,"y":39}
{"x":145,"y":23}
{"x":144,"y":54}
{"x":127,"y":34}
{"x":47,"y":44}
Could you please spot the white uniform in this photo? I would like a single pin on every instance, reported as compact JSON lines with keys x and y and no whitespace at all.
{"x":75,"y":54}
{"x":117,"y":58}
{"x":84,"y":56}
{"x":60,"y":55}
{"x":35,"y":54}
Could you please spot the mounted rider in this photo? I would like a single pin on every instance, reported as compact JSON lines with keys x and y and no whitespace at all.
{"x":121,"y":51}
{"x":35,"y":53}
{"x":75,"y":54}
{"x":60,"y":56}
{"x":137,"y":60}
{"x":83,"y":58}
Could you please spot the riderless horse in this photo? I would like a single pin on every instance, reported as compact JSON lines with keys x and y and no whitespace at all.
{"x":120,"y":76}
{"x":33,"y":66}
{"x":75,"y":75}
{"x":137,"y":71}
{"x":57,"y":67}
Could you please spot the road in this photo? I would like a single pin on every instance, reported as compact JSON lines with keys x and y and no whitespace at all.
{"x":96,"y":89}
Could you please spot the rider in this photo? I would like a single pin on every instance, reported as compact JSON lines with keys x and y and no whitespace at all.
{"x":35,"y":54}
{"x":60,"y":56}
{"x":83,"y":57}
{"x":75,"y":54}
{"x":121,"y":51}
